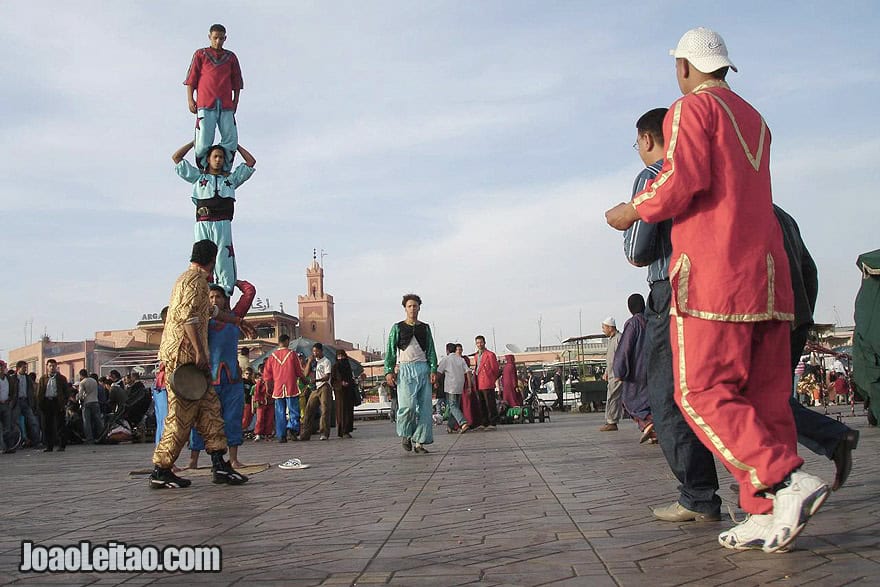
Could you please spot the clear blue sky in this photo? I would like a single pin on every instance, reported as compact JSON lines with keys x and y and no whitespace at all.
{"x":462,"y":150}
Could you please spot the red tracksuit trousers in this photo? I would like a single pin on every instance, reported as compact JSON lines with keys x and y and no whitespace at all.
{"x":732,"y":383}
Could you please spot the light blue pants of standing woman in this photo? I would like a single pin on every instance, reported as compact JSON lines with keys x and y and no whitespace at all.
{"x":414,"y":418}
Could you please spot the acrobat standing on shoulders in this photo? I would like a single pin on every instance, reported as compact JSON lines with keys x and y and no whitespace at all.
{"x":213,"y":87}
{"x":214,"y":197}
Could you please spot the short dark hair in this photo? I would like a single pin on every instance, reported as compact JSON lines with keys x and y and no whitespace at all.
{"x":284,"y":338}
{"x":720,"y":73}
{"x":116,"y":374}
{"x":636,"y":304}
{"x":479,"y":337}
{"x":318,"y":346}
{"x":53,"y":361}
{"x":245,"y":351}
{"x":450,"y":348}
{"x":413,"y":297}
{"x":458,"y":344}
{"x":83,"y":373}
{"x":20,"y":364}
{"x":164,"y":313}
{"x":217,"y":288}
{"x":217,"y":28}
{"x":204,"y":253}
{"x":651,"y":122}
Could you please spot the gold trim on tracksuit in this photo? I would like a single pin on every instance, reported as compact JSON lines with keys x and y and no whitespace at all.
{"x":699,"y":421}
{"x":682,"y":271}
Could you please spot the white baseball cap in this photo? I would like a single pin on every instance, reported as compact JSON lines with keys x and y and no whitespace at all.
{"x":704,"y":49}
{"x":609,"y":321}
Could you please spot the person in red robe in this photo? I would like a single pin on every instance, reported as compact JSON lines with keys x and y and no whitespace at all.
{"x":509,"y":392}
{"x":732,"y":295}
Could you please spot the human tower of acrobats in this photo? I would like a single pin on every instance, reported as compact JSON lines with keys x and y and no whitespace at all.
{"x":199,"y":328}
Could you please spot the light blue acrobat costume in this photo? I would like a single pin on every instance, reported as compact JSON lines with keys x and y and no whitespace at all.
{"x":414,"y":414}
{"x":214,"y":197}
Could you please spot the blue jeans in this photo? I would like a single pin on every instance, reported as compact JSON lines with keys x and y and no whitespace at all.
{"x":453,"y":401}
{"x":231,"y":407}
{"x":286,"y":415}
{"x":691,"y":462}
{"x":209,"y":119}
{"x":414,"y":417}
{"x":31,"y":426}
{"x":93,"y":421}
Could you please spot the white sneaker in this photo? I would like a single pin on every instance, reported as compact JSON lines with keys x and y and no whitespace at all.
{"x":323,"y":437}
{"x":749,"y":535}
{"x":258,"y":438}
{"x":290,"y":464}
{"x":793,"y":506}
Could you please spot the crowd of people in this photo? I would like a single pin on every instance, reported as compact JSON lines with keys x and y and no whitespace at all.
{"x":50,"y":412}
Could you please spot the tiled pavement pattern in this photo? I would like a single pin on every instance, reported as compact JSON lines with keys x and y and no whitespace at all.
{"x":535,"y":504}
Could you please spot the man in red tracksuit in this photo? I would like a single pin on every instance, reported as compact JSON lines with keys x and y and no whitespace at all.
{"x":732,"y":299}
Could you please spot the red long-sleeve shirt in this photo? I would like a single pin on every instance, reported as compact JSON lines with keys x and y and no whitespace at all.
{"x":214,"y":75}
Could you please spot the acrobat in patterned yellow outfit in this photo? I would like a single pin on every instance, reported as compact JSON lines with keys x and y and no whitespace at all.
{"x":190,"y":306}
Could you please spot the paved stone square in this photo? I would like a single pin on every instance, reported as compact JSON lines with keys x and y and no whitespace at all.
{"x":557,"y":504}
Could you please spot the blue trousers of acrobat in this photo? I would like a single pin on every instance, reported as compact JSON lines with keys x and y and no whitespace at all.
{"x":209,"y":119}
{"x":286,"y":415}
{"x":220,"y":233}
{"x":414,"y":417}
{"x":232,"y":407}
{"x":160,"y":408}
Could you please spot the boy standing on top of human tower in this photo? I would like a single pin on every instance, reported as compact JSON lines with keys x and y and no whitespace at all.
{"x":213,"y":87}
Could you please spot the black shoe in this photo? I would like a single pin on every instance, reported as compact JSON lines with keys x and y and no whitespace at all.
{"x":419,"y":449}
{"x":47,"y":449}
{"x":165,"y":479}
{"x":842,"y":458}
{"x":8,"y":451}
{"x":224,"y":473}
{"x":282,"y":440}
{"x":407,"y":444}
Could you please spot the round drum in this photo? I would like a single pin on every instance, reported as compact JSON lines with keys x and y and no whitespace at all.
{"x":189,"y":382}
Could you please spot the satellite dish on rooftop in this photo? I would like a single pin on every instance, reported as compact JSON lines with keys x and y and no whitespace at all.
{"x":513,"y":348}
